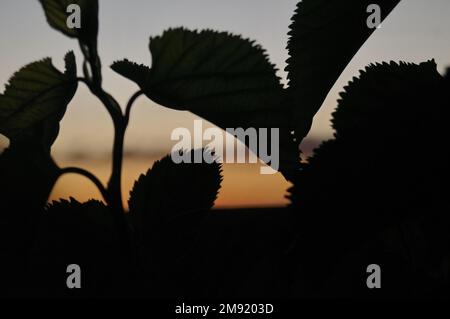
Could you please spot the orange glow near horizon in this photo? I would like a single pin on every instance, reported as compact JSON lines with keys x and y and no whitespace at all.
{"x":242,"y":186}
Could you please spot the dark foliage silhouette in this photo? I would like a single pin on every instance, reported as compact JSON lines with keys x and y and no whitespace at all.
{"x":218,"y":76}
{"x":376,"y":193}
{"x":324,"y":37}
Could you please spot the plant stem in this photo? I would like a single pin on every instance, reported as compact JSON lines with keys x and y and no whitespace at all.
{"x":113,"y":192}
{"x":115,"y":181}
{"x":114,"y":188}
{"x":114,"y":184}
{"x":130,"y":103}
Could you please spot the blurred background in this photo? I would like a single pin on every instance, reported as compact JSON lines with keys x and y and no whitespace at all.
{"x":416,"y":31}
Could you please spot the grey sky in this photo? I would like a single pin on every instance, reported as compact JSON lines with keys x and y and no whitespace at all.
{"x":417,"y":30}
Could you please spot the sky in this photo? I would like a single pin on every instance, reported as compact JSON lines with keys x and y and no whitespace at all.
{"x":417,"y":30}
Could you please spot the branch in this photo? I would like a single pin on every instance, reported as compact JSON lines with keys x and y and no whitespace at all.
{"x":107,"y":100}
{"x":113,"y":191}
{"x":88,"y":175}
{"x":130,"y":105}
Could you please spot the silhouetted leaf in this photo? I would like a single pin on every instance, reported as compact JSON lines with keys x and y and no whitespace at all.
{"x":221,"y":77}
{"x":207,"y":73}
{"x":35,"y":94}
{"x":383,"y":118}
{"x":382,"y":182}
{"x":56,"y":13}
{"x":30,"y":110}
{"x":168,"y":208}
{"x":324,"y":37}
{"x":169,"y":191}
{"x":27,"y":170}
{"x":91,"y":219}
{"x":386,"y":94}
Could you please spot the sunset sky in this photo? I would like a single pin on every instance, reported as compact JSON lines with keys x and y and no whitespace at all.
{"x":417,"y":30}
